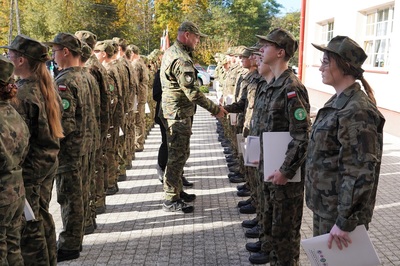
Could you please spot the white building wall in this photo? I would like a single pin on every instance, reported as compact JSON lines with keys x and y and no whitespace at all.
{"x":349,"y":19}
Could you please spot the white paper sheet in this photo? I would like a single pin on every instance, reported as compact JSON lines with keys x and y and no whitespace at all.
{"x":28,"y":212}
{"x":240,"y":141}
{"x":274,"y":147}
{"x":360,"y":252}
{"x":252,"y":151}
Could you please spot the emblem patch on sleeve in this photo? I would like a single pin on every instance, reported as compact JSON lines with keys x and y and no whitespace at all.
{"x":65,"y":104}
{"x":300,"y":114}
{"x":111,"y":88}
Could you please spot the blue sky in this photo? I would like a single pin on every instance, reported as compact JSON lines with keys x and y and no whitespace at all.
{"x":289,"y":5}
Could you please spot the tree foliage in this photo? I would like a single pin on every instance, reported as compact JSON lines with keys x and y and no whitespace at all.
{"x":227,"y":22}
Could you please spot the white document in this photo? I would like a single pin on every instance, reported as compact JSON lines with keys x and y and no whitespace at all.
{"x":147,"y":109}
{"x":240,"y":141}
{"x":233,"y":117}
{"x":28,"y":212}
{"x":229,"y":99}
{"x":135,"y":104}
{"x":360,"y":252}
{"x":252,"y":151}
{"x":275,"y":145}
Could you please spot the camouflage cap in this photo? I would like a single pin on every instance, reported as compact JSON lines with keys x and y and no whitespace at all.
{"x":105,"y":46}
{"x":346,"y":48}
{"x":134,"y":48}
{"x":283,"y":39}
{"x":87,"y":37}
{"x":243,"y":51}
{"x":230,"y":51}
{"x":29,"y":47}
{"x":6,"y":69}
{"x":86,"y":51}
{"x":120,"y":41}
{"x":67,"y":40}
{"x":191,"y":27}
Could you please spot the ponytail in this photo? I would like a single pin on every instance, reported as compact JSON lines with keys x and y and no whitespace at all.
{"x":48,"y":90}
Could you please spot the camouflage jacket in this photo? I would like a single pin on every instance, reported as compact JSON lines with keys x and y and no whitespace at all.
{"x":43,"y":148}
{"x":100,"y":74}
{"x":283,"y":106}
{"x":180,"y":85}
{"x":344,"y":158}
{"x":143,"y":80}
{"x":14,"y":139}
{"x":75,"y":97}
{"x":94,"y":132}
{"x":230,"y":81}
{"x":115,"y":84}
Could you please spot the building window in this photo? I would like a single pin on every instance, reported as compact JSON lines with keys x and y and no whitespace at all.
{"x":327,"y":32}
{"x":377,"y":37}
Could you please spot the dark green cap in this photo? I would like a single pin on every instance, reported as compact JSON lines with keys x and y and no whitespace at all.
{"x":283,"y":39}
{"x":346,"y":48}
{"x":134,"y":48}
{"x":86,"y":51}
{"x":106,"y":46}
{"x":191,"y":27}
{"x":6,"y":69}
{"x":67,"y":40}
{"x":87,"y":37}
{"x":29,"y":47}
{"x":243,"y":51}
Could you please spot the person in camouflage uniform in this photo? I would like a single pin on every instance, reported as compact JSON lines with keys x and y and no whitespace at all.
{"x":101,"y":162}
{"x":105,"y":53}
{"x":75,"y":94}
{"x":282,"y":107}
{"x":141,"y":96}
{"x":244,"y":108}
{"x":345,"y":150}
{"x":14,"y":139}
{"x":39,"y":104}
{"x":90,"y":207}
{"x":180,"y":95}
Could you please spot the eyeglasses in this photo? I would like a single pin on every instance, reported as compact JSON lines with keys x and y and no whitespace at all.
{"x":54,"y":51}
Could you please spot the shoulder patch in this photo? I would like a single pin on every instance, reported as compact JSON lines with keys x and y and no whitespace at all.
{"x":111,"y":88}
{"x":62,"y":87}
{"x":300,"y":114}
{"x":65,"y":104}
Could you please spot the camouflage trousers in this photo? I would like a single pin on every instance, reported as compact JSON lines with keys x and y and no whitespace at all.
{"x":178,"y":138}
{"x":100,"y":181}
{"x":281,"y":225}
{"x":252,"y":179}
{"x":111,"y":168}
{"x":10,"y":233}
{"x":90,"y":207}
{"x":140,"y":126}
{"x":38,"y":238}
{"x":70,"y":197}
{"x":130,"y":137}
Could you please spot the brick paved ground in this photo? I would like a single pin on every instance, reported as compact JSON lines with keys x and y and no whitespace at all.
{"x":135,"y":231}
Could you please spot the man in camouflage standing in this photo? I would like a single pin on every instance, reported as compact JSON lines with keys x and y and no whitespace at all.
{"x":75,"y":95}
{"x":100,"y":74}
{"x":180,"y":95}
{"x":282,"y":107}
{"x":141,"y":96}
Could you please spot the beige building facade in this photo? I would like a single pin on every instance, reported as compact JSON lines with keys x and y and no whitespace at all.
{"x":375,"y":26}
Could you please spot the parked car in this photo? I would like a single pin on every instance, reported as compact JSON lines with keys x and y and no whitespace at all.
{"x":211,"y":70}
{"x":203,"y":76}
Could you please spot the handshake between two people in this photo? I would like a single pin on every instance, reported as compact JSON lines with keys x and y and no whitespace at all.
{"x":222,"y":112}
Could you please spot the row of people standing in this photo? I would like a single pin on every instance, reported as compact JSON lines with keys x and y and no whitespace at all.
{"x":339,"y":157}
{"x":81,"y":133}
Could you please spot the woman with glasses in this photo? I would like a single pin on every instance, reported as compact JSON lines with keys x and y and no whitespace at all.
{"x":39,"y":105}
{"x":345,"y":148}
{"x":14,"y":137}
